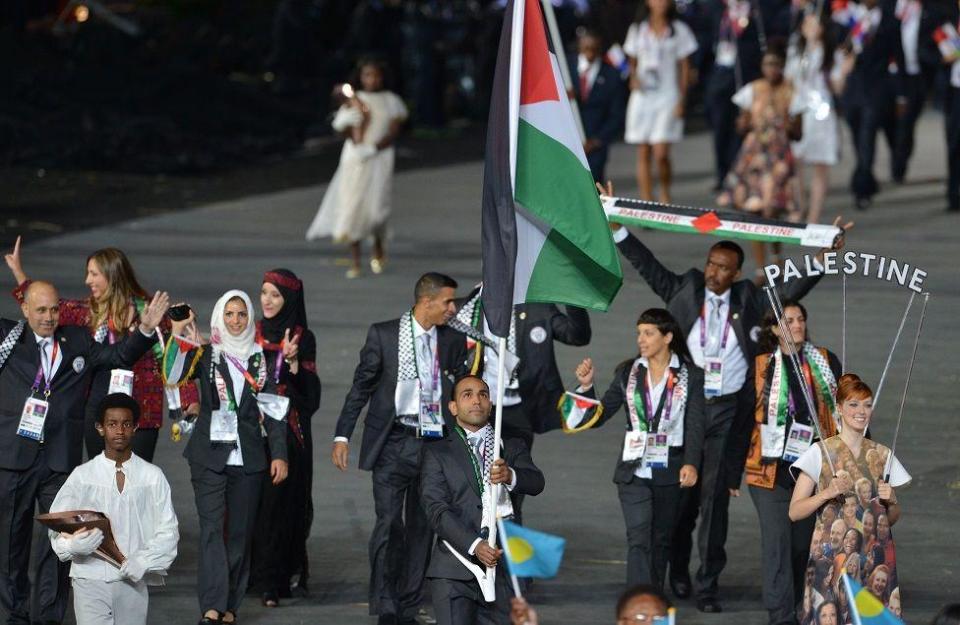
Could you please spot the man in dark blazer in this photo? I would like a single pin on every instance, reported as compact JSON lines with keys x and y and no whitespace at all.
{"x":600,"y":96}
{"x":44,"y":362}
{"x":451,"y":486}
{"x":695,"y":299}
{"x":393,"y":442}
{"x":874,"y":96}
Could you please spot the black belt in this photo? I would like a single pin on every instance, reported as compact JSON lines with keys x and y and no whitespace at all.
{"x":410,"y":430}
{"x":720,"y":399}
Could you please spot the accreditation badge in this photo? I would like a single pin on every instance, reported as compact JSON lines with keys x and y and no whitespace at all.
{"x":32,"y":418}
{"x":798,"y":441}
{"x":121,"y":381}
{"x":223,"y":426}
{"x":634,"y":442}
{"x":712,"y":377}
{"x":726,"y":53}
{"x":431,"y":419}
{"x":658,"y":451}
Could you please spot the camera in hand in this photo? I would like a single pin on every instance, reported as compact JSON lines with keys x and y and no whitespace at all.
{"x":180,"y":312}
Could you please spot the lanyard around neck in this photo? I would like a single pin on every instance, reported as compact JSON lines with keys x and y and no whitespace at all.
{"x":46,"y":376}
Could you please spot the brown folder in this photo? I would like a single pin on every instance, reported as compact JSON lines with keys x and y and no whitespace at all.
{"x":74,"y":520}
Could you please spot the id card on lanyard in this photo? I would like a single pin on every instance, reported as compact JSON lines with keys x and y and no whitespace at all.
{"x":713,"y":365}
{"x":800,"y":436}
{"x":639,"y":442}
{"x":35,"y":409}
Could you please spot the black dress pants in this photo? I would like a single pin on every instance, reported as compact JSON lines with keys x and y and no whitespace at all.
{"x":906,"y":126}
{"x":722,"y":115}
{"x":865,"y":119}
{"x":649,"y":513}
{"x":227,"y":503}
{"x":784,"y":552}
{"x":458,"y":602}
{"x":402,"y":539}
{"x":21,"y":493}
{"x":709,"y":500}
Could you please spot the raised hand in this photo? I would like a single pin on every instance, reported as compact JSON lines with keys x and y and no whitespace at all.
{"x":154,"y":312}
{"x":584,"y":373}
{"x":13,"y":262}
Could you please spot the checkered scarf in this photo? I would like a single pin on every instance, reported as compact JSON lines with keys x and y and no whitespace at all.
{"x":6,"y":346}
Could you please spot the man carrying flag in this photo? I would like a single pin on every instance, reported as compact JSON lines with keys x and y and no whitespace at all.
{"x":456,"y":473}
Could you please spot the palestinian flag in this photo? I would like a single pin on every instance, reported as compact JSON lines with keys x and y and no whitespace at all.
{"x":718,"y":223}
{"x":545,"y":237}
{"x":575,"y":409}
{"x":180,"y":357}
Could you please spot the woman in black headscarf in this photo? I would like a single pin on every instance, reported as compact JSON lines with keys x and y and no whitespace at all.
{"x":286,"y":510}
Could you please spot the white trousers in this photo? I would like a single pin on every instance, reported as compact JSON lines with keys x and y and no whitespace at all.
{"x":96,"y":602}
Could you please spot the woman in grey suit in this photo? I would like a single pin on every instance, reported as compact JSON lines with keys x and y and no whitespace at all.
{"x":226,"y":452}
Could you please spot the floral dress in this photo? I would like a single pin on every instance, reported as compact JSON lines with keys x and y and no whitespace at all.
{"x":764,"y":175}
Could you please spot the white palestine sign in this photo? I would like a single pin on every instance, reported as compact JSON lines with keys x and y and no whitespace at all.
{"x":850,"y":263}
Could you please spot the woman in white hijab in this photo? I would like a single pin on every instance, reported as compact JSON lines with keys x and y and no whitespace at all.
{"x":226,"y":452}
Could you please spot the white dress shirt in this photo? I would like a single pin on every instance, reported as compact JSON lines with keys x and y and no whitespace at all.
{"x":734,"y":362}
{"x":48,"y":370}
{"x":235,"y":459}
{"x":473,"y":440}
{"x":142,"y":518}
{"x":910,"y":33}
{"x":587,"y":71}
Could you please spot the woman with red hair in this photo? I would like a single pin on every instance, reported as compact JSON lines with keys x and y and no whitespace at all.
{"x":819,"y":489}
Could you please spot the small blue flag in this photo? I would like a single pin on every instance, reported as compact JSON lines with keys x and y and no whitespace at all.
{"x":865,"y":609}
{"x":530,"y":553}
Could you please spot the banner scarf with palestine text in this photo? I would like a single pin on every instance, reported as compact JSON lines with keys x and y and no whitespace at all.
{"x":545,"y":236}
{"x":728,"y":224}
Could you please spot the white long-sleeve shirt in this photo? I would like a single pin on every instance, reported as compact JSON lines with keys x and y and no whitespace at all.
{"x":142,"y":518}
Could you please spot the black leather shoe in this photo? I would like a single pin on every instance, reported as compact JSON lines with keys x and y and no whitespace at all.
{"x":710,"y":606}
{"x":206,"y":620}
{"x":387,"y":619}
{"x":680,"y":586}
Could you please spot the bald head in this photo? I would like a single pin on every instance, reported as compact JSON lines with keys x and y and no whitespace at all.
{"x":41,"y":307}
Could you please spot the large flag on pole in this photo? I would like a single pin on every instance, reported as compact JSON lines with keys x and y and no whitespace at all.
{"x":545,"y":236}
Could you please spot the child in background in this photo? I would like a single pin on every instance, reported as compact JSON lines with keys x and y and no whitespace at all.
{"x":357,"y":202}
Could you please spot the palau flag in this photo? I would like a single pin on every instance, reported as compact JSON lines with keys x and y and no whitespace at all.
{"x":865,"y":609}
{"x":530,"y":553}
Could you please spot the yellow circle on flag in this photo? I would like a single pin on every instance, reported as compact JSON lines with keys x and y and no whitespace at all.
{"x":868,"y":605}
{"x":520,"y":550}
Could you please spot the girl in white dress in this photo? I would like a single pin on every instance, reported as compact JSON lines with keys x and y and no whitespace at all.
{"x":809,"y":65}
{"x":658,"y":47}
{"x":357,"y":202}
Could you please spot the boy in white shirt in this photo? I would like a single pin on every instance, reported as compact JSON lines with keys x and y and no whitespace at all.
{"x":135,"y":496}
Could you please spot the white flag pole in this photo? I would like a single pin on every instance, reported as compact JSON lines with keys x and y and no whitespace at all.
{"x":561,"y":54}
{"x":497,"y":431}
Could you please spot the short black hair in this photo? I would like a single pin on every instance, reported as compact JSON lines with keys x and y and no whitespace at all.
{"x":430,"y":284}
{"x":639,"y":590}
{"x":465,"y":376}
{"x":118,"y":400}
{"x":948,"y":615}
{"x":730,"y":246}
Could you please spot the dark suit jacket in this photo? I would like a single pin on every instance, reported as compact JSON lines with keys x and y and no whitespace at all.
{"x":694,"y":423}
{"x":63,"y":427}
{"x":539,"y":378}
{"x":603,"y":112}
{"x":748,"y":44}
{"x":200,"y":450}
{"x":451,"y":498}
{"x":871,"y":84}
{"x":375,"y":381}
{"x":684,"y":295}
